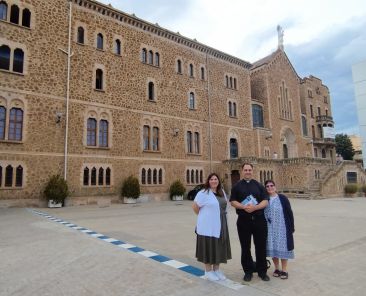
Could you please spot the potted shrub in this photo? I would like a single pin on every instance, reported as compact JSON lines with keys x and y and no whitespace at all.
{"x":56,"y":191}
{"x":177,"y":190}
{"x":350,"y":189}
{"x":130,"y":189}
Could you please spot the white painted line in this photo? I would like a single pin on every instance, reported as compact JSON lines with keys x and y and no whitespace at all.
{"x":86,"y":230}
{"x":175,"y":264}
{"x":96,"y":235}
{"x":126,"y":246}
{"x":147,"y":253}
{"x":111,"y":240}
{"x":77,"y":227}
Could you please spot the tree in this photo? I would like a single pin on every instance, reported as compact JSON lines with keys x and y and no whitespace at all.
{"x":344,"y":146}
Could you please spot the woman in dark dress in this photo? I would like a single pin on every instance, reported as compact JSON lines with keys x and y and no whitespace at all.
{"x":213,"y":243}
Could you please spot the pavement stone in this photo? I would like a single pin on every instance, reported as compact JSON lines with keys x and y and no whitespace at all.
{"x":42,"y":257}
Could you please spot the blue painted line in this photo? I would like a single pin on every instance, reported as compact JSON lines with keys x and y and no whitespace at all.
{"x":160,"y":258}
{"x":136,"y":249}
{"x":147,"y":254}
{"x":193,"y":270}
{"x":117,"y":243}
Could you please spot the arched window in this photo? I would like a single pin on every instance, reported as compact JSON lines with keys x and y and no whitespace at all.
{"x":9,"y":176}
{"x":26,"y":19}
{"x":155,"y":139}
{"x":189,"y":142}
{"x":227,"y":80}
{"x":234,"y":83}
{"x":86,"y":177}
{"x":15,"y":124}
{"x":230,"y":109}
{"x":146,"y":137}
{"x":179,"y":66}
{"x":160,"y":176}
{"x":201,"y":176}
{"x":18,"y":60}
{"x":108,"y":176}
{"x":192,"y":176}
{"x":257,"y":111}
{"x":233,"y":148}
{"x":3,"y":10}
{"x":100,"y":41}
{"x":202,"y":73}
{"x":197,"y":176}
{"x":117,"y":47}
{"x":93,"y":179}
{"x":324,"y":153}
{"x":99,"y":79}
{"x":187,"y":177}
{"x":5,"y":57}
{"x":143,"y":55}
{"x":151,"y":57}
{"x":80,"y":35}
{"x":151,"y":91}
{"x":149,"y":176}
{"x":191,"y":70}
{"x":157,"y":59}
{"x":14,"y":14}
{"x":304,"y":126}
{"x":91,"y":138}
{"x":100,"y":176}
{"x":155,"y":176}
{"x":231,"y":82}
{"x":197,"y":143}
{"x":2,"y":123}
{"x":285,"y":151}
{"x":103,"y":133}
{"x":19,"y":176}
{"x":234,"y":109}
{"x":191,"y":104}
{"x":143,"y":176}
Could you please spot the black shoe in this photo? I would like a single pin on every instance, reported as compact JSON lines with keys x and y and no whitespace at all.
{"x":248,"y":277}
{"x":264,"y":277}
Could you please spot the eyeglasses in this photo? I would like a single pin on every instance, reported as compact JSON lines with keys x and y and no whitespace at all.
{"x":270,"y":185}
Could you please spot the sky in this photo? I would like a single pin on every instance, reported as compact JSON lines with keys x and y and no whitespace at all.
{"x":323,"y":38}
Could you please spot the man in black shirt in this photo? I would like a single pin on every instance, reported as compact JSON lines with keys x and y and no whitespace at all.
{"x":251,"y":221}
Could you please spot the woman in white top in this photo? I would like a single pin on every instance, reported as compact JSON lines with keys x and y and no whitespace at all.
{"x":213,"y":243}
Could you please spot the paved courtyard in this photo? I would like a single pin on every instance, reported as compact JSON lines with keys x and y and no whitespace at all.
{"x":39,"y":256}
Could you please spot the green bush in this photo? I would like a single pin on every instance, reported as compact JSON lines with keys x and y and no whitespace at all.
{"x":350,"y":188}
{"x":56,"y":189}
{"x":176,"y":189}
{"x":130,"y":187}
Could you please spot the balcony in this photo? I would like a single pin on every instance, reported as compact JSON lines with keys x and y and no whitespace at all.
{"x":324,"y":141}
{"x":325,"y":119}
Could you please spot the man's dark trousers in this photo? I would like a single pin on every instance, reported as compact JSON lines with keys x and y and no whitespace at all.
{"x":255,"y":225}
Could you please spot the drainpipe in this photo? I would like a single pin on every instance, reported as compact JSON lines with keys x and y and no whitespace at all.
{"x":69,"y":55}
{"x":209,"y":114}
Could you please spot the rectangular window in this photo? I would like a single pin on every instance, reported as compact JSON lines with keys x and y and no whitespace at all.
{"x":189,"y":142}
{"x":197,"y":142}
{"x":91,"y":139}
{"x":155,"y":144}
{"x":103,"y":133}
{"x":351,"y":177}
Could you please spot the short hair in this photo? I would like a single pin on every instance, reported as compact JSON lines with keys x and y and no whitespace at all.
{"x":247,"y":163}
{"x":269,"y":181}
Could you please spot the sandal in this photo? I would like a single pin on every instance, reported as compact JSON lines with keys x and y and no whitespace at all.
{"x":276,"y":273}
{"x":284,"y":275}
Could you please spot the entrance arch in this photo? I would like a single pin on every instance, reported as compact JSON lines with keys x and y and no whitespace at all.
{"x":289,"y":147}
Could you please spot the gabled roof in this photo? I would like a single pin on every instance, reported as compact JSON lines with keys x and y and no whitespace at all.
{"x":270,"y":58}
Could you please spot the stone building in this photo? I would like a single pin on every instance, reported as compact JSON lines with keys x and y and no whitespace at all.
{"x":96,"y":95}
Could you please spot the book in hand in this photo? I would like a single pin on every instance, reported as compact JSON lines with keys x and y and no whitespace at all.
{"x":249,"y":200}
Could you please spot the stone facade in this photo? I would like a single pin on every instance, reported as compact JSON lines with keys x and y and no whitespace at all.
{"x":144,"y":101}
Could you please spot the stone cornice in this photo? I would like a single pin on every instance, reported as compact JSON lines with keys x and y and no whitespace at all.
{"x":132,"y":20}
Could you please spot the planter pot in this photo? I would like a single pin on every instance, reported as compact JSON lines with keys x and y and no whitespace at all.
{"x":129,"y":200}
{"x":177,"y":197}
{"x":52,"y":204}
